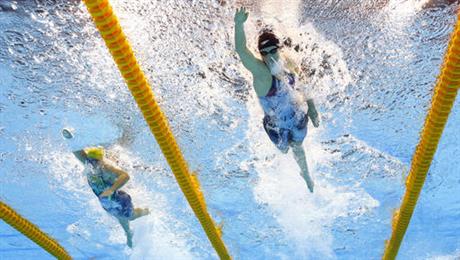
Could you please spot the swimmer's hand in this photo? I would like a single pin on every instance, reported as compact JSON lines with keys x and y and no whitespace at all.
{"x":241,"y":15}
{"x":312,"y":113}
{"x":107,"y":193}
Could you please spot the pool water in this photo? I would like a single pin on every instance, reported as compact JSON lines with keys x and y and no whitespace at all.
{"x":370,"y":65}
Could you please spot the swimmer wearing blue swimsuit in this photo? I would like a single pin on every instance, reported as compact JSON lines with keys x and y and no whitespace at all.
{"x":286,"y":115}
{"x":106,"y":179}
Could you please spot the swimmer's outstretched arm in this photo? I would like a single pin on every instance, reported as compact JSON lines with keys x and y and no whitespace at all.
{"x":262,"y":78}
{"x":122,"y":178}
{"x":248,"y":59}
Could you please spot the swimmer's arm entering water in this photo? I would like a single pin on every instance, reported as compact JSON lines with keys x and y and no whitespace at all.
{"x":261,"y":75}
{"x":122,"y":178}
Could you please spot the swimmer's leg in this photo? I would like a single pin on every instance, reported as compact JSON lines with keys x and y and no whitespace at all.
{"x":299,"y":155}
{"x":138,"y":212}
{"x":129,"y":234}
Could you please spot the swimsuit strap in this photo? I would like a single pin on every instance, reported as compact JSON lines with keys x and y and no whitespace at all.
{"x":274,"y":88}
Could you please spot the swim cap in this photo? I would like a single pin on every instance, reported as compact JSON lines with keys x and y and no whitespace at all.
{"x":94,"y":152}
{"x":267,"y":39}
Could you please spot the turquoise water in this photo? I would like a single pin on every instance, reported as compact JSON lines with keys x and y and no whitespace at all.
{"x":371,"y":67}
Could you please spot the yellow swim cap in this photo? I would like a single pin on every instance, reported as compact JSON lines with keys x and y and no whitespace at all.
{"x":94,"y":152}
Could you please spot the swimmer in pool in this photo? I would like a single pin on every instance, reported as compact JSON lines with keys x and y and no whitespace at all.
{"x":106,"y":179}
{"x":274,"y":80}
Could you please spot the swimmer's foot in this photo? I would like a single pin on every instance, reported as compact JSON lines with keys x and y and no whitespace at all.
{"x":309,"y":181}
{"x":310,"y":185}
{"x":129,"y":239}
{"x":138,"y":212}
{"x":145,"y":211}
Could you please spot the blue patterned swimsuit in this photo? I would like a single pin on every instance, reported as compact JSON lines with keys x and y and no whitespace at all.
{"x":119,"y":204}
{"x":285,"y":118}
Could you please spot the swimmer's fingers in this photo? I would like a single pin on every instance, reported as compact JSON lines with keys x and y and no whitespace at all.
{"x":313,"y":115}
{"x":245,"y":13}
{"x":237,"y":14}
{"x":241,"y":15}
{"x":239,"y":11}
{"x":316,"y":122}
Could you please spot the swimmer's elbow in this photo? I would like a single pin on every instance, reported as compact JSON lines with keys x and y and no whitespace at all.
{"x":240,"y":50}
{"x":123,"y":177}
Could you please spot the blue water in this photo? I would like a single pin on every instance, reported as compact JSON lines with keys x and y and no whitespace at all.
{"x":371,"y":67}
